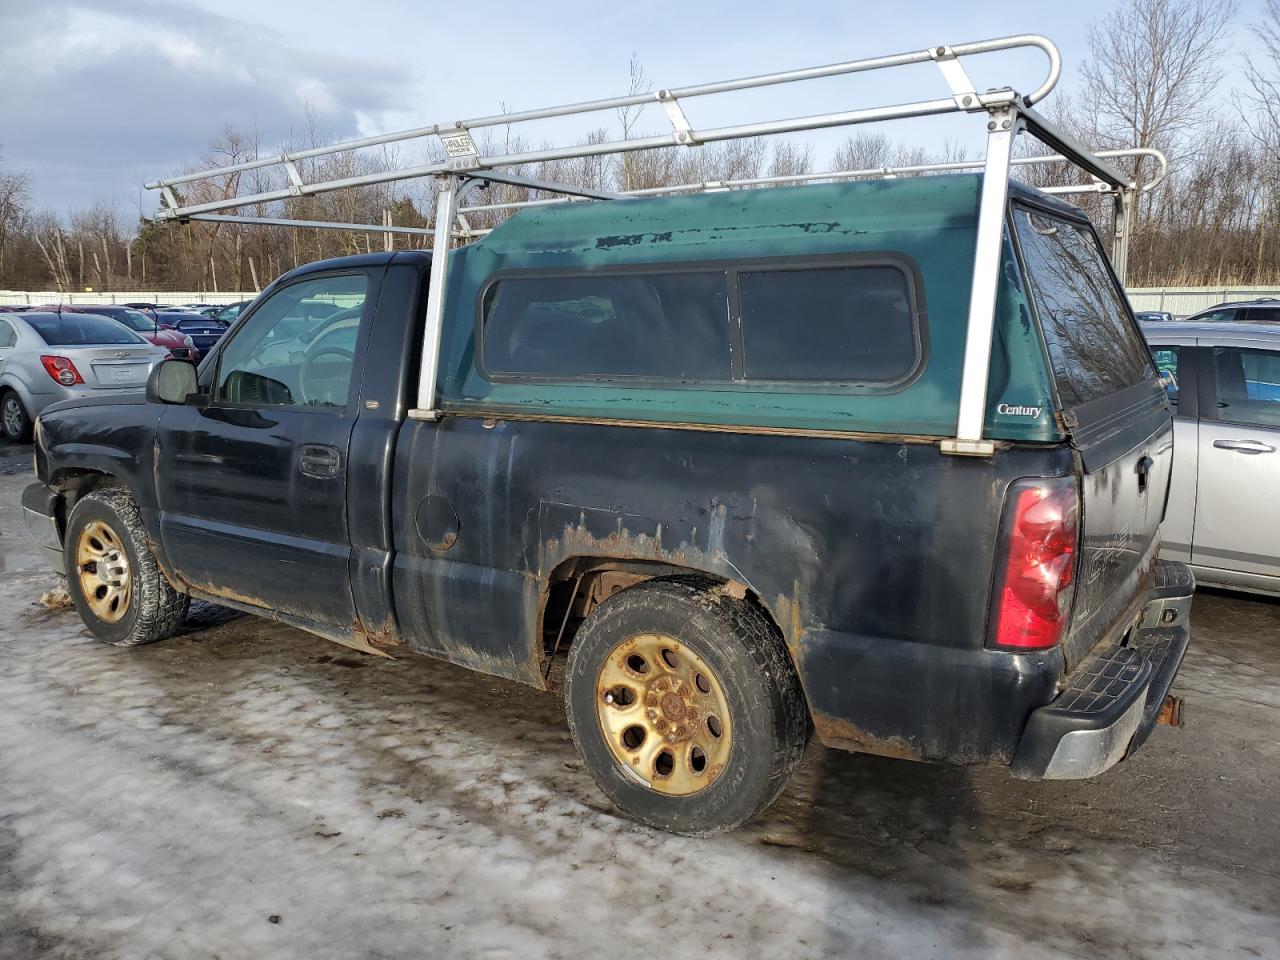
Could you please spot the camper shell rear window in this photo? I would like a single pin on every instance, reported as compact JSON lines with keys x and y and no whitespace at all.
{"x":842,"y":322}
{"x":1094,"y":344}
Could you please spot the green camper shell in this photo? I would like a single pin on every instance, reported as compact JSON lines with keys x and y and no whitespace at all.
{"x":925,"y":227}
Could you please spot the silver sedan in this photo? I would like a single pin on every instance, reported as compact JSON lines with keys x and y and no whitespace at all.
{"x":1223,"y":516}
{"x":46,"y":357}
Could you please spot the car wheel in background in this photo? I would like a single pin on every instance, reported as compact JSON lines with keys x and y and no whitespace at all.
{"x":112,"y":576}
{"x":13,"y":418}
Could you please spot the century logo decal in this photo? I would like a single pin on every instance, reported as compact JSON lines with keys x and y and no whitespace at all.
{"x":1018,"y":410}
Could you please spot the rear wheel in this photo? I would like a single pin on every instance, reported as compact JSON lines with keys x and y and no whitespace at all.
{"x":13,"y":418}
{"x":684,"y":705}
{"x":113,"y":578}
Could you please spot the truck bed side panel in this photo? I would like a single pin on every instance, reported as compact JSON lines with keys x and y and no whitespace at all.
{"x":875,"y":558}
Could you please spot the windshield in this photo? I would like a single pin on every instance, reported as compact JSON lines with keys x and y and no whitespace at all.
{"x":79,"y":330}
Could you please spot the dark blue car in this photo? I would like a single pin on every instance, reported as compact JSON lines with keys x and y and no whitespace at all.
{"x":204,"y":331}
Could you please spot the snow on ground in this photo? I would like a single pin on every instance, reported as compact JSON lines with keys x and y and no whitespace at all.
{"x":247,"y":790}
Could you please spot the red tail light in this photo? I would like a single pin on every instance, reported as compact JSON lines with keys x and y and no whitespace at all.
{"x":1033,"y":589}
{"x":62,"y":370}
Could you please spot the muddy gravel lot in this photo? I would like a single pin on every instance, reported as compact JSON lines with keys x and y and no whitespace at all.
{"x":246,"y":790}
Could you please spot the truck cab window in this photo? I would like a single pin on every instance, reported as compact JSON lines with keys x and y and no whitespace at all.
{"x":298,"y":348}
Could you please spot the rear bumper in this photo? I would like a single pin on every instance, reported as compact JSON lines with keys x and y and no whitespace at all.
{"x":40,"y":514}
{"x":1114,"y":698}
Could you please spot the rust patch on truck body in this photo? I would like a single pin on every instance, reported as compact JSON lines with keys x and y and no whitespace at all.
{"x":843,"y":734}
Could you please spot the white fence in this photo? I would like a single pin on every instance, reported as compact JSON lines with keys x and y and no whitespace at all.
{"x":1184,"y":301}
{"x":33,"y":298}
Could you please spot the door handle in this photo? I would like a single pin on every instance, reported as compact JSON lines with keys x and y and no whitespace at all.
{"x":1143,"y":469}
{"x":319,"y":460}
{"x":1244,"y":446}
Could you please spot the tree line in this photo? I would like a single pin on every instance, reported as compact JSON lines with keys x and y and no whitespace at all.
{"x":1154,"y":77}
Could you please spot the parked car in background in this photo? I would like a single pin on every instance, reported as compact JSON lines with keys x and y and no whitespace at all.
{"x":49,"y":356}
{"x":1154,"y":316}
{"x":229,"y":313}
{"x":203,"y":331}
{"x":179,"y":345}
{"x":1223,"y":518}
{"x":1263,"y":310}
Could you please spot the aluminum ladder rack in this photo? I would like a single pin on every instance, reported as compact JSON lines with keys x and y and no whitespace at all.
{"x":1004,"y":112}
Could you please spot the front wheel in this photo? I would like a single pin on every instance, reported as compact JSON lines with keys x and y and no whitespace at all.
{"x":113,"y":578}
{"x":684,"y":705}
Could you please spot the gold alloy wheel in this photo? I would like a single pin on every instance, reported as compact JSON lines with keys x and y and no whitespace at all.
{"x":664,"y":714}
{"x":103,"y":568}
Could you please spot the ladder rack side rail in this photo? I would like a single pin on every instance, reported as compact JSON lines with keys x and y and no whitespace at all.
{"x":433,"y":328}
{"x":612,"y":103}
{"x":816,"y":122}
{"x":311,"y":224}
{"x":838,"y":175}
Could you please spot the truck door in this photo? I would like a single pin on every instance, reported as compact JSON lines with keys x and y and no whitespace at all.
{"x":1237,"y":526}
{"x":252,"y":484}
{"x":1116,"y":412}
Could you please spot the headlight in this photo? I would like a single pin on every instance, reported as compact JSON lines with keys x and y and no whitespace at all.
{"x":188,"y":342}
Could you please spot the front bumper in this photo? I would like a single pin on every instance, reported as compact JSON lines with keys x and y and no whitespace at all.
{"x":1113,"y":699}
{"x":40,"y":514}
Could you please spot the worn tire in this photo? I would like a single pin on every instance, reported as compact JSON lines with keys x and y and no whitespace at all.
{"x":155,"y":610}
{"x":14,"y":419}
{"x":767,"y":712}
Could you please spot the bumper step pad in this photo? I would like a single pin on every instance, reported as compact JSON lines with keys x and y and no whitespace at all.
{"x":1112,"y":701}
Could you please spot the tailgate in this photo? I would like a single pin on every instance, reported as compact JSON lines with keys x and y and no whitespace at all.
{"x":1123,"y":490}
{"x":1116,"y":414}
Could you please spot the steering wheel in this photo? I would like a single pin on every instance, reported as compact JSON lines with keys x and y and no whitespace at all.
{"x":306,"y":372}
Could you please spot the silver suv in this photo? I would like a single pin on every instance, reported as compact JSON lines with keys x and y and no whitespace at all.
{"x":1223,"y":518}
{"x":1262,"y":310}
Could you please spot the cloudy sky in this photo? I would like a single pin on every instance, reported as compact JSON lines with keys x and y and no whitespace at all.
{"x":99,"y":96}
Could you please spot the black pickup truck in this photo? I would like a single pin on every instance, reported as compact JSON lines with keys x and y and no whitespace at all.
{"x":686,"y":469}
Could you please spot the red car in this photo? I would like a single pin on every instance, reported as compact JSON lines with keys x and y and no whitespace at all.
{"x":179,"y":345}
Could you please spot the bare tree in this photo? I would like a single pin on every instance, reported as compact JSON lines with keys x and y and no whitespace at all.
{"x":1153,"y":66}
{"x":628,"y":117}
{"x":14,"y":192}
{"x":1260,"y":111}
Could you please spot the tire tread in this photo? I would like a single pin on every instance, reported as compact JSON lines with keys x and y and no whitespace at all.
{"x":745,"y":623}
{"x":162,"y":609}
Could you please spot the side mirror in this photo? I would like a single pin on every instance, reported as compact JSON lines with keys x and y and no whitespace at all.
{"x":172,"y":381}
